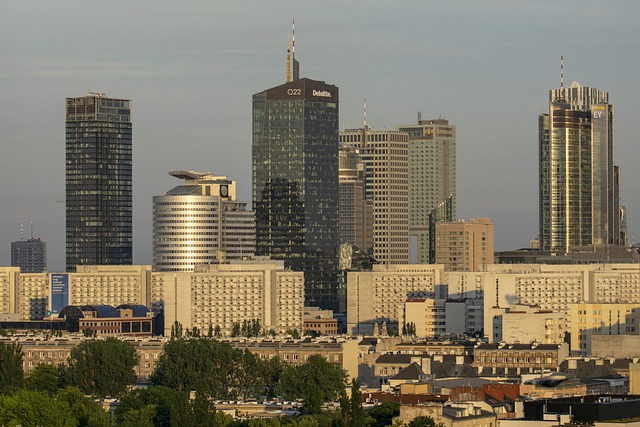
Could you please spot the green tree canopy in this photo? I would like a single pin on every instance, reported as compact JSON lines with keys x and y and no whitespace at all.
{"x":11,"y":373}
{"x":315,"y":382}
{"x":33,"y":408}
{"x":423,"y":421}
{"x":102,"y":367}
{"x":163,"y":407}
{"x":45,"y":378}
{"x":212,"y":367}
{"x":384,"y":413}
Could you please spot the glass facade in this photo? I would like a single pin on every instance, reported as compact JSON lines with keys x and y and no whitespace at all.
{"x":295,"y":182}
{"x":99,"y":191}
{"x":579,"y":203}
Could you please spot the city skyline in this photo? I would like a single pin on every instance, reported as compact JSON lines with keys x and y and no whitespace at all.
{"x":190,"y":82}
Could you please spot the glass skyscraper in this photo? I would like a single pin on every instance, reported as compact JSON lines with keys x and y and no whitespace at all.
{"x":295,"y":182}
{"x":99,"y":193}
{"x":579,"y":189}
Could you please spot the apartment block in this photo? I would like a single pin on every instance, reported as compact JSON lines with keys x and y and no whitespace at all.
{"x":464,"y":246}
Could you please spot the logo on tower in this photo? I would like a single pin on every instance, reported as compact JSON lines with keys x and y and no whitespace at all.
{"x":224,"y":190}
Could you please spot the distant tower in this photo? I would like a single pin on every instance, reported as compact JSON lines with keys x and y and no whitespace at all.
{"x":385,"y":155}
{"x":579,"y":188}
{"x":29,"y":255}
{"x":200,"y":222}
{"x":432,"y":180}
{"x":99,"y":192}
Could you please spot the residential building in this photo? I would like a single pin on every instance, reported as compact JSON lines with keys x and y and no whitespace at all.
{"x":386,"y":159}
{"x":30,"y":255}
{"x":515,"y":359}
{"x":464,"y":246}
{"x":579,"y":183}
{"x":374,"y":297}
{"x":432,"y":177}
{"x":526,"y":324}
{"x":222,"y":295}
{"x":295,"y":182}
{"x":99,"y":191}
{"x":433,"y":317}
{"x":200,"y":222}
{"x":319,"y":321}
{"x":591,"y":319}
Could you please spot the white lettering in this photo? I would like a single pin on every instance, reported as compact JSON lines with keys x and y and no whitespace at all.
{"x":294,"y":91}
{"x":323,"y":93}
{"x":598,"y":114}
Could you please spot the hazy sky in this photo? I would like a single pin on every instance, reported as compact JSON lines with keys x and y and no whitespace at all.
{"x":191,"y":67}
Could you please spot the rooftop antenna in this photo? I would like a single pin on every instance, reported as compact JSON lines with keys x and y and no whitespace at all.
{"x":288,"y":61}
{"x":31,"y":230}
{"x":21,"y":228}
{"x":562,"y":99}
{"x":296,"y":64}
{"x":419,"y":117}
{"x":365,"y":114}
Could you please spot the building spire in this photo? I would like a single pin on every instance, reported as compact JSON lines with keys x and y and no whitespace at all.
{"x":295,"y":63}
{"x":288,"y":61}
{"x":365,"y":114}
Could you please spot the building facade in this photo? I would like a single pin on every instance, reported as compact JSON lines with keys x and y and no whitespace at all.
{"x":30,"y":255}
{"x":432,"y":176}
{"x":464,"y":246}
{"x":200,"y":222}
{"x":228,"y":294}
{"x":355,"y":207}
{"x":579,"y":183}
{"x":386,"y":158}
{"x":99,"y":191}
{"x":295,"y":182}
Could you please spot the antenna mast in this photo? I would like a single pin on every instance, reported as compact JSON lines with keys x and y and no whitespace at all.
{"x":365,"y":114}
{"x":31,"y":230}
{"x":21,"y":228}
{"x":294,"y":61}
{"x":288,"y":61}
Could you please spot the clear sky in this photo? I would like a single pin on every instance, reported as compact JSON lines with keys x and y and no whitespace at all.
{"x":190,"y":68}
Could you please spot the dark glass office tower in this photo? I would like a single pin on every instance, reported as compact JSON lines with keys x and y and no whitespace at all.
{"x":295,"y":182}
{"x":99,"y":192}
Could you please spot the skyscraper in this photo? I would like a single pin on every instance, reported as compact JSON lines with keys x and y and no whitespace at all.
{"x":385,"y":155}
{"x":99,"y":192}
{"x":432,"y":181}
{"x":200,"y":222}
{"x":579,"y":190}
{"x":295,"y":182}
{"x":356,"y":209}
{"x":30,"y":255}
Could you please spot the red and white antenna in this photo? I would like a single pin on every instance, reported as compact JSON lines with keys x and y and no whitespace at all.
{"x":562,"y":72}
{"x":293,"y":38}
{"x":365,"y":114}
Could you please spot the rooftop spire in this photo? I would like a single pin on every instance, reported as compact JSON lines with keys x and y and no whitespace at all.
{"x":288,"y":61}
{"x":296,"y":64}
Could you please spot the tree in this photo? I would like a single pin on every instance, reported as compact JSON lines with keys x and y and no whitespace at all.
{"x":33,"y":408}
{"x":211,"y":367}
{"x":423,"y":421}
{"x":102,"y":367}
{"x":384,"y":413}
{"x":162,"y":406}
{"x":87,"y":412}
{"x":315,"y":382}
{"x":45,"y":378}
{"x":11,"y":373}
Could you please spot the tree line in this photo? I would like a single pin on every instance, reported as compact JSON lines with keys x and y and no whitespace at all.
{"x":190,"y":374}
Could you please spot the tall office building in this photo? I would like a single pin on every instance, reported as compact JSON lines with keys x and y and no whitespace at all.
{"x":200,"y":222}
{"x":579,"y":190}
{"x":99,"y":192}
{"x":295,"y":182}
{"x":385,"y":155}
{"x":355,"y":209}
{"x":30,"y":255}
{"x":432,"y":179}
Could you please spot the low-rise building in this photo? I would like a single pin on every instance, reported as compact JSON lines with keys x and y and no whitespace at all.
{"x":320,"y":321}
{"x":525,"y":324}
{"x":516,"y":359}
